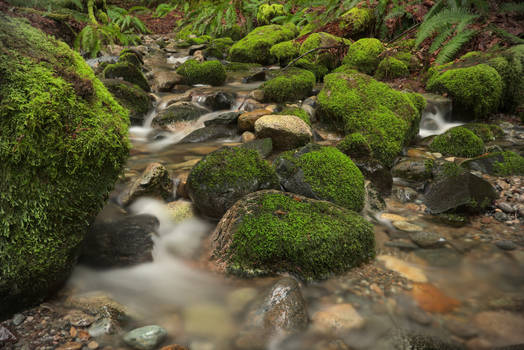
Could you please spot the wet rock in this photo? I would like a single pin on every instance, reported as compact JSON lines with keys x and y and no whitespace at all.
{"x":506,"y":207}
{"x":378,"y":174}
{"x":441,"y":257}
{"x":165,"y":81}
{"x":374,"y":200}
{"x":154,"y":182}
{"x":462,"y":329}
{"x":286,"y":131}
{"x":457,"y":191}
{"x":18,"y":319}
{"x":194,"y":48}
{"x":405,"y":194}
{"x":78,"y":318}
{"x":145,"y":338}
{"x":337,"y":319}
{"x":131,"y":97}
{"x":181,"y":186}
{"x":506,"y":245}
{"x":178,"y":112}
{"x":173,"y":347}
{"x":6,"y":336}
{"x":246,"y":121}
{"x":406,"y":270}
{"x":228,"y":118}
{"x":257,"y":95}
{"x":208,"y":320}
{"x":392,"y":217}
{"x":259,"y":76}
{"x":248,"y":136}
{"x":500,"y":327}
{"x":218,"y":101}
{"x":99,"y":304}
{"x":209,"y":133}
{"x":413,"y":169}
{"x":70,"y":346}
{"x":500,"y":216}
{"x":264,"y":147}
{"x":124,"y":242}
{"x":103,"y":327}
{"x":180,"y":211}
{"x":427,"y":239}
{"x":93,"y":345}
{"x":432,"y":299}
{"x":406,"y":226}
{"x":401,"y":244}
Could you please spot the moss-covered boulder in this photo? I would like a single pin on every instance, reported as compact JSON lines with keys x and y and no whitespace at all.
{"x":133,"y":98}
{"x":325,"y":58}
{"x":224,"y":176}
{"x":131,"y":57}
{"x":290,"y":85}
{"x":63,"y":142}
{"x":298,"y":112}
{"x":364,"y":54}
{"x":267,"y":12}
{"x":322,"y":173}
{"x":219,"y":47}
{"x":386,"y":119}
{"x":285,"y":52}
{"x":487,"y":132}
{"x":128,"y":72}
{"x":497,"y":163}
{"x":208,"y":72}
{"x":357,"y":22}
{"x":317,"y":69}
{"x":255,"y":47}
{"x":476,"y":91}
{"x":459,"y":142}
{"x":270,"y":232}
{"x":391,"y":68}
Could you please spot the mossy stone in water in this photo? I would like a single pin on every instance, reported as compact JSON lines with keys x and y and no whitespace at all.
{"x":497,"y":163}
{"x":130,"y":57}
{"x":356,"y":103}
{"x":127,"y":71}
{"x":256,"y":46}
{"x":131,"y":97}
{"x":319,"y":70}
{"x":322,"y":173}
{"x":226,"y":175}
{"x":459,"y":142}
{"x":290,"y":85}
{"x":63,"y":143}
{"x":209,"y":72}
{"x":270,"y":232}
{"x":364,"y":54}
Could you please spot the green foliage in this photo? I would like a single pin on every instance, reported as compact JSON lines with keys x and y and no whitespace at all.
{"x":512,"y":7}
{"x":459,"y":142}
{"x":208,"y":72}
{"x":125,"y":21}
{"x":278,"y":232}
{"x":323,"y":57}
{"x":164,"y":9}
{"x":63,"y":143}
{"x":290,"y":85}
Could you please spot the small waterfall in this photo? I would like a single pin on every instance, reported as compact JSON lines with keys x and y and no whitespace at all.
{"x":436,"y":117}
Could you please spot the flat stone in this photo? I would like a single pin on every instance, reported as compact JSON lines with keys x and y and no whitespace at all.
{"x":392,"y":217}
{"x":337,"y":319}
{"x":145,"y":338}
{"x":506,"y":207}
{"x":406,"y":270}
{"x":427,"y":239}
{"x":103,"y":326}
{"x":246,"y":121}
{"x":286,"y":131}
{"x":401,"y":244}
{"x":406,"y":226}
{"x":6,"y":336}
{"x":180,"y":210}
{"x":506,"y":245}
{"x":93,"y":345}
{"x":430,"y":298}
{"x":70,"y":346}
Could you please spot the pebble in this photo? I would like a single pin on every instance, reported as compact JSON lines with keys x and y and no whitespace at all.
{"x":145,"y":338}
{"x":18,"y":319}
{"x":432,"y":299}
{"x":500,"y":216}
{"x":506,"y":245}
{"x":337,"y":319}
{"x":406,"y":226}
{"x":101,"y":327}
{"x":427,"y":239}
{"x":6,"y":336}
{"x":92,"y":345}
{"x":70,"y":346}
{"x":506,"y":207}
{"x":406,"y":270}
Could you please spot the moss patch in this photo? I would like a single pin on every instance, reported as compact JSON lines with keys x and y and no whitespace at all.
{"x":487,"y":132}
{"x":133,"y":98}
{"x":391,"y":68}
{"x":364,"y":55}
{"x":319,"y":70}
{"x":127,"y":71}
{"x":459,"y":142}
{"x":219,"y":48}
{"x":280,"y":232}
{"x":299,"y":112}
{"x":322,"y":57}
{"x":285,"y":51}
{"x":267,"y":12}
{"x":208,"y":72}
{"x":63,"y":142}
{"x":290,"y":85}
{"x":357,"y":21}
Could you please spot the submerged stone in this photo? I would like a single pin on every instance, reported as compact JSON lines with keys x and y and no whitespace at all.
{"x":145,"y":338}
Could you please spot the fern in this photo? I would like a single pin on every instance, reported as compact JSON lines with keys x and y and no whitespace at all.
{"x":440,"y":38}
{"x":441,"y":20}
{"x":449,"y":51}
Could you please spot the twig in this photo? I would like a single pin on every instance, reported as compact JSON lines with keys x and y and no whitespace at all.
{"x":313,"y":50}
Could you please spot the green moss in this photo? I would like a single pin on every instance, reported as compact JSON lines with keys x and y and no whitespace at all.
{"x":285,"y":51}
{"x":127,"y":71}
{"x":184,"y":32}
{"x":267,"y":12}
{"x":133,"y":98}
{"x":290,"y":85}
{"x":364,"y":55}
{"x":391,"y":68}
{"x":322,"y":57}
{"x":63,"y":143}
{"x":255,"y":47}
{"x":299,"y":112}
{"x":459,"y":142}
{"x":219,"y":48}
{"x":331,"y":175}
{"x":131,"y":58}
{"x":240,"y":66}
{"x":476,"y":90}
{"x":355,"y":145}
{"x":319,"y":70}
{"x":357,"y":21}
{"x":235,"y":32}
{"x":487,"y":132}
{"x":279,"y":232}
{"x":513,"y":164}
{"x":408,"y":59}
{"x":355,"y":102}
{"x":203,"y":39}
{"x":208,"y":72}
{"x":346,"y":69}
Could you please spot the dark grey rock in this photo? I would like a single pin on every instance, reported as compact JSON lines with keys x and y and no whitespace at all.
{"x":405,"y":194}
{"x":228,"y":118}
{"x":379,"y":175}
{"x":259,"y":76}
{"x":413,"y":169}
{"x":500,"y":216}
{"x":218,"y":101}
{"x":145,"y":338}
{"x":18,"y":319}
{"x":506,"y":207}
{"x":506,"y":245}
{"x":102,"y":327}
{"x":263,"y":146}
{"x":153,"y":182}
{"x":209,"y":133}
{"x":401,"y":244}
{"x":178,"y":112}
{"x":427,"y":239}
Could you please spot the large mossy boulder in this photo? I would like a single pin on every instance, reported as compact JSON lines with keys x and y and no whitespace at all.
{"x":391,"y":68}
{"x":322,"y":173}
{"x":63,"y":142}
{"x":285,"y":52}
{"x":256,"y":46}
{"x":476,"y":91}
{"x":128,"y":72}
{"x":364,"y":55}
{"x":224,"y":176}
{"x":325,"y":58}
{"x":290,"y":85}
{"x":357,"y":21}
{"x":209,"y":72}
{"x":381,"y":119}
{"x":459,"y":142}
{"x":270,"y":232}
{"x":133,"y":98}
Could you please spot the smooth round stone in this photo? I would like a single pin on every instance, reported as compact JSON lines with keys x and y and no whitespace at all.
{"x":506,"y":245}
{"x":18,"y":319}
{"x":392,"y":217}
{"x":506,"y":207}
{"x":427,"y":239}
{"x":145,"y":338}
{"x":406,"y":226}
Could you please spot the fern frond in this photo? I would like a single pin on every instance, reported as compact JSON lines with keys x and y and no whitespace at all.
{"x":449,"y":51}
{"x":440,"y":38}
{"x":440,"y":20}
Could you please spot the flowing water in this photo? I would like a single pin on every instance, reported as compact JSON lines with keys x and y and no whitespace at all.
{"x":437,"y":292}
